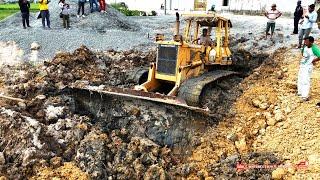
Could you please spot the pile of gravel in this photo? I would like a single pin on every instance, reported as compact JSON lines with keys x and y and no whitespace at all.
{"x":102,"y":22}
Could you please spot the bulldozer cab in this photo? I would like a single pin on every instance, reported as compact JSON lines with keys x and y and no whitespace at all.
{"x":217,"y":36}
{"x":215,"y":42}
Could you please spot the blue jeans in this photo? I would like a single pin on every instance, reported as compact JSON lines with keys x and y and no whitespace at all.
{"x":303,"y":34}
{"x":92,"y":2}
{"x":45,"y":16}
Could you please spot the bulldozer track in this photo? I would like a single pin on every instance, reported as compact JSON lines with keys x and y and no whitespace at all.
{"x":191,"y":90}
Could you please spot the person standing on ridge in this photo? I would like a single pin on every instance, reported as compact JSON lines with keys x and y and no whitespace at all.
{"x":24,"y":8}
{"x":272,"y":15}
{"x":102,"y":5}
{"x":310,"y":55}
{"x":93,"y":2}
{"x":44,"y":11}
{"x":81,"y":7}
{"x":65,"y":11}
{"x":298,"y":13}
{"x":307,"y":24}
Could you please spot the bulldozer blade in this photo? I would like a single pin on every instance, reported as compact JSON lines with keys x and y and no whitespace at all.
{"x":124,"y":94}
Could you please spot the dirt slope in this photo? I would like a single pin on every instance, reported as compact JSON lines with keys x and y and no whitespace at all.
{"x":271,"y":127}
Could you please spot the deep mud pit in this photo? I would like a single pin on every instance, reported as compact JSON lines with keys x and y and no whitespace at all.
{"x":109,"y":138}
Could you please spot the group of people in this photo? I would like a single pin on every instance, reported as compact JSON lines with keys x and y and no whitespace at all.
{"x":306,"y":20}
{"x":64,"y":14}
{"x":310,"y":51}
{"x":25,"y":13}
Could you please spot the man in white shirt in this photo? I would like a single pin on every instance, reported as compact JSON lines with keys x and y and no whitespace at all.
{"x":307,"y":24}
{"x":310,"y":55}
{"x":272,"y":15}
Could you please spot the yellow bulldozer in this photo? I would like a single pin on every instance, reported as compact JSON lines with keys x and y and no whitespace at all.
{"x":186,"y":64}
{"x":183,"y":64}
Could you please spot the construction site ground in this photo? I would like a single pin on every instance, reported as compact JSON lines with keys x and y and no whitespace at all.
{"x":259,"y":128}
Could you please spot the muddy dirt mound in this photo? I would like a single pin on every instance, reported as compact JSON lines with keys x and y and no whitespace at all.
{"x":82,"y":64}
{"x":125,"y":157}
{"x":54,"y":135}
{"x":108,"y":68}
{"x":247,"y":54}
{"x":38,"y":145}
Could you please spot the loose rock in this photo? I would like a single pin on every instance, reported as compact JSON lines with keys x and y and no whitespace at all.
{"x":2,"y":159}
{"x":279,"y":173}
{"x":35,"y":46}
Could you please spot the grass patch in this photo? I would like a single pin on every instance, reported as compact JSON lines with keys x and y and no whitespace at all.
{"x":124,"y":9}
{"x":9,"y":9}
{"x":15,"y":6}
{"x":6,"y":13}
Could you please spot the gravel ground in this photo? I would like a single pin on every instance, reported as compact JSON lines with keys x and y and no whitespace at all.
{"x":98,"y":31}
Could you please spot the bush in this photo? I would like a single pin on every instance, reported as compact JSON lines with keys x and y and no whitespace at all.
{"x":135,"y":13}
{"x":123,"y":8}
{"x":119,"y":6}
{"x":154,"y":13}
{"x":143,"y":13}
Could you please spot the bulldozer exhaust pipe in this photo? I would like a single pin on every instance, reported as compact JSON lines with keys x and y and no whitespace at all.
{"x":177,"y":23}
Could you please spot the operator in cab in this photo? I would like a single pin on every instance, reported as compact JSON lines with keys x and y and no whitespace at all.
{"x":207,"y":41}
{"x":204,"y":38}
